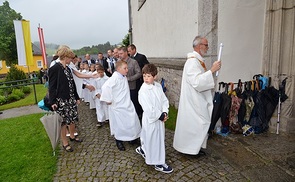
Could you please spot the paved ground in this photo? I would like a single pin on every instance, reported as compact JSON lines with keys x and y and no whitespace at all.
{"x":266,"y":157}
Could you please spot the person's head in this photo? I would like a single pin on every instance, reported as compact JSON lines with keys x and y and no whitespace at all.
{"x":115,"y":53}
{"x":55,"y":57}
{"x":149,"y":72}
{"x":131,"y":49}
{"x":87,"y":57}
{"x":200,"y":45}
{"x":81,"y":66}
{"x":65,"y":54}
{"x":75,"y":60}
{"x":85,"y":65}
{"x":92,"y":67}
{"x":123,"y":54}
{"x":122,"y":67}
{"x":100,"y":70}
{"x":110,"y":53}
{"x":100,"y":56}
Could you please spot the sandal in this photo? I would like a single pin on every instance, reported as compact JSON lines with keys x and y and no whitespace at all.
{"x":75,"y":139}
{"x":68,"y":148}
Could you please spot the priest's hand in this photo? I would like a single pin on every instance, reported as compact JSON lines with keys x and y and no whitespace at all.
{"x":109,"y":103}
{"x":216,"y":66}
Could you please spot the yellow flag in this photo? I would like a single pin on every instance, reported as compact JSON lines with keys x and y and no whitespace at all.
{"x":27,"y":42}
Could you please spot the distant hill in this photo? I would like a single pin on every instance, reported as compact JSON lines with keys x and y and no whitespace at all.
{"x":50,"y":48}
{"x":94,"y":49}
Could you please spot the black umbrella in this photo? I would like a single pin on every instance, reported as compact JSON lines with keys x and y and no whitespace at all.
{"x":217,"y":103}
{"x":225,"y":108}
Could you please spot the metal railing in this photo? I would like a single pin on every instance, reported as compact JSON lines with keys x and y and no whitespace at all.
{"x":25,"y":82}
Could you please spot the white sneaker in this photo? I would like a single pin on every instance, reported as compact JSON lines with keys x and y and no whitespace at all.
{"x":164,"y":168}
{"x":140,"y":151}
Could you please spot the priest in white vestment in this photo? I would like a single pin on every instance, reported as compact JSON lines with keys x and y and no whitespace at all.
{"x":124,"y":122}
{"x":196,"y":101}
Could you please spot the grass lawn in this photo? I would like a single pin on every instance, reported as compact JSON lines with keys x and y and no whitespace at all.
{"x":25,"y":151}
{"x":28,"y":100}
{"x":171,"y":122}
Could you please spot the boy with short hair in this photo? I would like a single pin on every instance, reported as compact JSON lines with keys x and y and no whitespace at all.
{"x":101,"y":107}
{"x":124,"y":122}
{"x":155,"y":107}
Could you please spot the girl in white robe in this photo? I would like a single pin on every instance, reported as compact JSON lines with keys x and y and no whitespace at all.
{"x":155,"y":112}
{"x":124,"y":122}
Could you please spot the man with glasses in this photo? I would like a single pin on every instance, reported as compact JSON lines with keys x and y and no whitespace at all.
{"x":196,"y":101}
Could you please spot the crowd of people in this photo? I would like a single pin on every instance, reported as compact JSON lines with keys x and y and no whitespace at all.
{"x":122,"y":88}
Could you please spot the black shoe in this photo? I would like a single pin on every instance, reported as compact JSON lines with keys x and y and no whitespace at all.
{"x":76,"y":140}
{"x":1,"y":112}
{"x":120,"y":145}
{"x":201,"y":153}
{"x":136,"y":141}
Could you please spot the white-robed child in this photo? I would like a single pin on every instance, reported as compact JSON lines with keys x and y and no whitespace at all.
{"x":124,"y":122}
{"x":102,"y":113}
{"x":155,"y":107}
{"x":92,"y":71}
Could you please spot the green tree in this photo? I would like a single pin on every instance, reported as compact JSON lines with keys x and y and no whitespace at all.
{"x":15,"y":74}
{"x":8,"y":51}
{"x":125,"y":41}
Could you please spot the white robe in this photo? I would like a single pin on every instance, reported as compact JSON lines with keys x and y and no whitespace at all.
{"x":86,"y":94}
{"x":78,"y":81}
{"x":102,"y":112}
{"x":195,"y":107}
{"x":91,"y":99}
{"x":124,"y":122}
{"x":154,"y":103}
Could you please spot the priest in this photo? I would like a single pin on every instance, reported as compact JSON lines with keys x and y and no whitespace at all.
{"x":196,"y":101}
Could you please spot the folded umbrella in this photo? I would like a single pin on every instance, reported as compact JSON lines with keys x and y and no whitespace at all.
{"x":52,"y":124}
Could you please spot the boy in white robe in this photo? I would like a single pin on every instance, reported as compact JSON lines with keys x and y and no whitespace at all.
{"x":101,"y":107}
{"x":124,"y":122}
{"x":155,"y":112}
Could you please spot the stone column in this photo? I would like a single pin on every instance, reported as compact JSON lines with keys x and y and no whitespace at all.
{"x":279,"y":56}
{"x":207,"y":26}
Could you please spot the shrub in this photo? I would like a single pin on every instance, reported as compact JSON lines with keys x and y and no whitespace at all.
{"x":15,"y":74}
{"x":12,"y":98}
{"x":6,"y":91}
{"x":26,"y":90}
{"x":18,"y":92}
{"x":3,"y":100}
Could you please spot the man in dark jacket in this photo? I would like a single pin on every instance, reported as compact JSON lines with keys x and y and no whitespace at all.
{"x":141,"y":60}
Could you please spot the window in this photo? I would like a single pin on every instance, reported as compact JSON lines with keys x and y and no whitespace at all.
{"x":39,"y":64}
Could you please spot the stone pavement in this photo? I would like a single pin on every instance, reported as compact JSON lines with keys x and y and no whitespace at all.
{"x":20,"y":111}
{"x":262,"y":158}
{"x":266,"y":157}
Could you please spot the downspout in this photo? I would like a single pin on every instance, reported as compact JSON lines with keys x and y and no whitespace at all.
{"x":130,"y":24}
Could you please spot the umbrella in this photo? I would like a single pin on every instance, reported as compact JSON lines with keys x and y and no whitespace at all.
{"x":217,"y":103}
{"x":52,"y":124}
{"x":225,"y":108}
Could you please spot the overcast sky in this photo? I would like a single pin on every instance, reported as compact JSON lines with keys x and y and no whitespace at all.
{"x":76,"y":23}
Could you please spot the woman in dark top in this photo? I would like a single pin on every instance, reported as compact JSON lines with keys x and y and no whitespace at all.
{"x":63,"y":94}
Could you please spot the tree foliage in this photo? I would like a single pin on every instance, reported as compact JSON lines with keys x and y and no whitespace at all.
{"x":15,"y":74}
{"x":8,"y":51}
{"x":95,"y":49}
{"x":125,"y":41}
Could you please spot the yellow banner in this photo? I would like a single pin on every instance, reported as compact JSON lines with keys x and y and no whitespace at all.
{"x":27,"y":42}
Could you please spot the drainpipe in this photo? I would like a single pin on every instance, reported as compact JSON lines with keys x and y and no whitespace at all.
{"x":130,"y":24}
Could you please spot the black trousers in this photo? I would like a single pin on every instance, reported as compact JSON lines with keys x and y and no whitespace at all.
{"x":134,"y":99}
